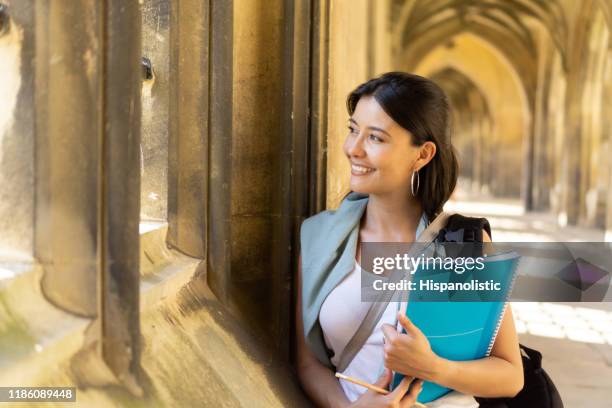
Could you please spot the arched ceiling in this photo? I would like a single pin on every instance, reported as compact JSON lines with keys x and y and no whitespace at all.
{"x":455,"y":84}
{"x":419,"y":24}
{"x":414,"y":18}
{"x":494,"y":77}
{"x":522,"y":59}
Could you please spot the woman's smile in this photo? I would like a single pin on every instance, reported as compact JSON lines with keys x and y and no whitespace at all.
{"x":357,"y":170}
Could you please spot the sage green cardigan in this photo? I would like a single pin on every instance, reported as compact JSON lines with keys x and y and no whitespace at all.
{"x":328,"y":246}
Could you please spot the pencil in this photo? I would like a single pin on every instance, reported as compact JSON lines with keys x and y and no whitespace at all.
{"x":371,"y":387}
{"x":362,"y":383}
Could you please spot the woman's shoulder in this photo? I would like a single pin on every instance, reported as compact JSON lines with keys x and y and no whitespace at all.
{"x":327,"y":229}
{"x":316,"y":223}
{"x":321,"y":216}
{"x":312,"y":228}
{"x":349,"y":208}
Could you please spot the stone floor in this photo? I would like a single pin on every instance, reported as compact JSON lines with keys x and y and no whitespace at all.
{"x":574,"y":338}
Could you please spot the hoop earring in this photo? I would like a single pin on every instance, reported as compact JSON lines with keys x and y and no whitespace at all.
{"x":414,"y":193}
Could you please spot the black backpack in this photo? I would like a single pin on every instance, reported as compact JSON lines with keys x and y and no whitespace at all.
{"x":538,"y":390}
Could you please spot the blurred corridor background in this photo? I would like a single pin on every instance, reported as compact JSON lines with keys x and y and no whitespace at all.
{"x":157,"y":158}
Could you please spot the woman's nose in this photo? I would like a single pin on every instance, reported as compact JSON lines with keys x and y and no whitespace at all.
{"x":355,"y":147}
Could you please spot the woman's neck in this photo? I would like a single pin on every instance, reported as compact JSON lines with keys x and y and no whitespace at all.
{"x":392,"y":218}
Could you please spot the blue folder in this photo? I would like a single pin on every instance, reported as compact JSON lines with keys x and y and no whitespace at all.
{"x":464,"y":326}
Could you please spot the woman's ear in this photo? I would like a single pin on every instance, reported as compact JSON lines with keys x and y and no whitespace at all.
{"x":426,"y":153}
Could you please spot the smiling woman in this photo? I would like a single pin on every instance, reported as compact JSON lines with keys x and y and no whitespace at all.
{"x":416,"y":110}
{"x":403,"y":170}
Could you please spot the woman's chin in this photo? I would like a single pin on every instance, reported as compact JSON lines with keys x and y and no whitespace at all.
{"x":360,"y":187}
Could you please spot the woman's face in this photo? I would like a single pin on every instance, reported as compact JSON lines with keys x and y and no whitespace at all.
{"x":380,"y":151}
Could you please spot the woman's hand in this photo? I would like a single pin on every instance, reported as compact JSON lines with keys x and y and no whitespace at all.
{"x":395,"y":399}
{"x":409,"y":353}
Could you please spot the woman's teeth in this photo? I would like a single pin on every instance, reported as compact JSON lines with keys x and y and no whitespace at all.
{"x":360,"y":170}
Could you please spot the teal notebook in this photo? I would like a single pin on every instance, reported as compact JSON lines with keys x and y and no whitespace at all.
{"x":460,"y":325}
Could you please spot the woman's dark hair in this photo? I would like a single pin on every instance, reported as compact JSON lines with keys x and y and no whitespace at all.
{"x":420,"y":106}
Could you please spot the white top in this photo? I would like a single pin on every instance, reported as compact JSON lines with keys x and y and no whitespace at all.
{"x":341,"y":314}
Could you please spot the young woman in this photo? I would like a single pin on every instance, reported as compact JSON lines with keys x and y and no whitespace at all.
{"x":403,"y":170}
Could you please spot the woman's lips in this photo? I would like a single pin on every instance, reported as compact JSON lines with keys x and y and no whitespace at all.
{"x":357,"y":170}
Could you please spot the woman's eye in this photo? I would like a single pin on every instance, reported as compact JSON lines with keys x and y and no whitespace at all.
{"x":375,"y":138}
{"x":352,"y":129}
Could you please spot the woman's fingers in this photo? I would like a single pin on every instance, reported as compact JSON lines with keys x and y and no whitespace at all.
{"x":409,"y":399}
{"x":401,"y":388}
{"x":389,"y":332}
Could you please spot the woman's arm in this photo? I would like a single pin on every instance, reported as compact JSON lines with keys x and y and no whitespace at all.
{"x":499,"y":375}
{"x":317,"y":380}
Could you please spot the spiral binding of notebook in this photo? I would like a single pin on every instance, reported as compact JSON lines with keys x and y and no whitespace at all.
{"x":499,"y":322}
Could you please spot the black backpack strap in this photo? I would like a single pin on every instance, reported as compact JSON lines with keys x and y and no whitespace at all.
{"x":461,"y":229}
{"x":464,"y":229}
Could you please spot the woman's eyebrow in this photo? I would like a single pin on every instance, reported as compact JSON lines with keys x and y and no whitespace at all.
{"x":371,"y":127}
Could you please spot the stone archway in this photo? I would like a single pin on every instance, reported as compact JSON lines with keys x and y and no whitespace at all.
{"x":507,"y":104}
{"x":471,"y":128}
{"x":510,"y":29}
